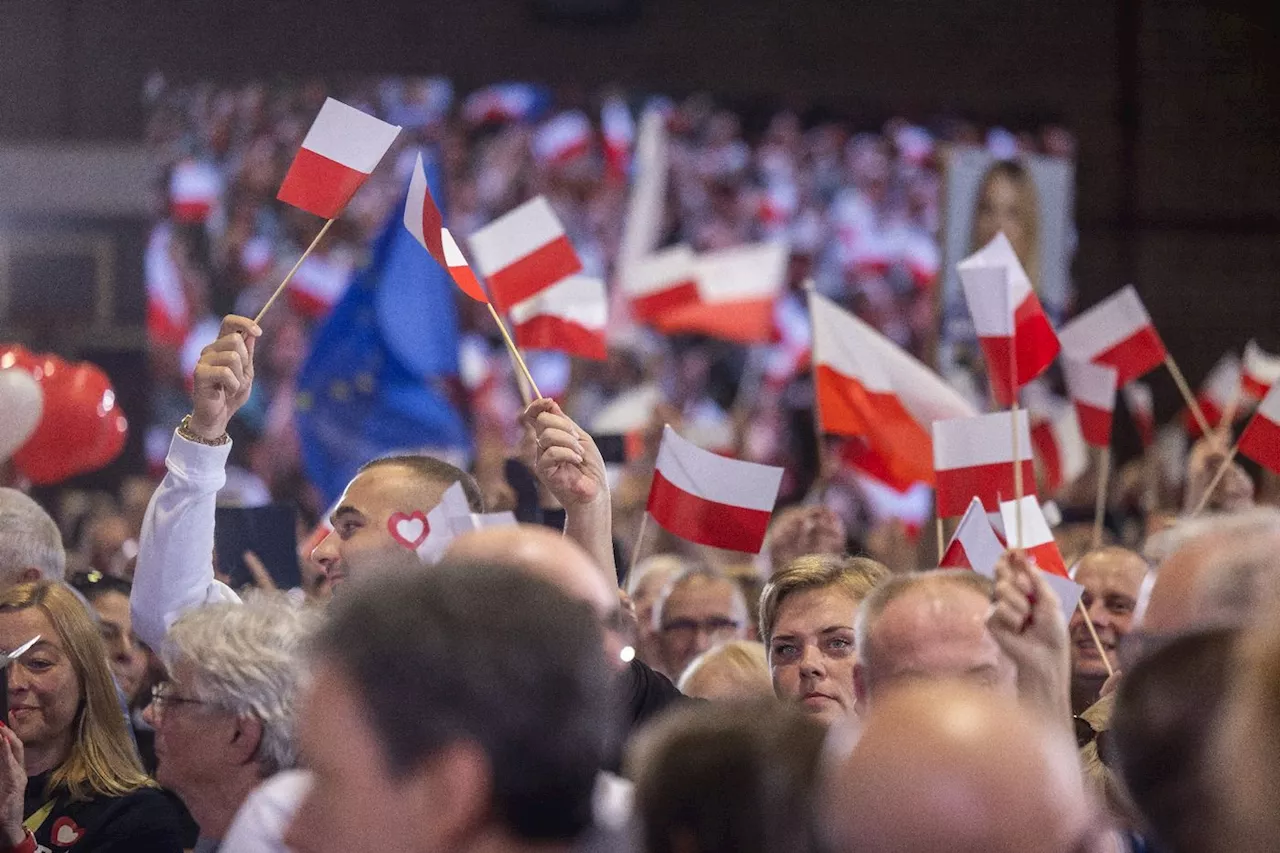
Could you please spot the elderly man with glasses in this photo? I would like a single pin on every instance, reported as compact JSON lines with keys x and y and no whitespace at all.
{"x":698,"y":610}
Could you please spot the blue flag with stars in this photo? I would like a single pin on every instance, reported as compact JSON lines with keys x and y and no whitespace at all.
{"x":377,"y":379}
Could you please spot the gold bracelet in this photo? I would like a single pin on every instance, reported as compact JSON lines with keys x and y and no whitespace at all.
{"x":184,"y":430}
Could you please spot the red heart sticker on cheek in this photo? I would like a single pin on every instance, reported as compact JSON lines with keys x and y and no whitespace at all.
{"x":410,"y":530}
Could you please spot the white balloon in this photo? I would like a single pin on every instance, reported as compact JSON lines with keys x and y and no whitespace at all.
{"x":21,"y":404}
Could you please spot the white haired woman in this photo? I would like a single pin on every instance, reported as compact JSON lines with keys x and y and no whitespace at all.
{"x":224,"y":720}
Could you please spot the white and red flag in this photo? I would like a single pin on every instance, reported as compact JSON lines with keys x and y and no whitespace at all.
{"x":661,"y":282}
{"x":1218,"y":395}
{"x":422,"y":218}
{"x":619,"y":131}
{"x":973,"y":457}
{"x":737,"y":289}
{"x":1259,"y":370}
{"x":1036,"y":539}
{"x":1092,"y":388}
{"x":1260,"y":440}
{"x":1059,"y":446}
{"x":195,"y":186}
{"x":1142,"y":409}
{"x":868,"y":387}
{"x":569,"y":317}
{"x":710,"y":499}
{"x":523,"y":252}
{"x":1016,"y":336}
{"x":1117,"y":331}
{"x":338,"y":153}
{"x":563,"y":138}
{"x":975,"y":544}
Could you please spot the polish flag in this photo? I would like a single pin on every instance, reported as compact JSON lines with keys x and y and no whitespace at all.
{"x":973,"y":457}
{"x":1092,"y":388}
{"x":1260,"y":440}
{"x":503,"y":102}
{"x":661,"y":282}
{"x":868,"y":387}
{"x":1219,"y":393}
{"x":318,"y":284}
{"x":1137,"y":396}
{"x":194,"y":189}
{"x":168,"y":312}
{"x":1058,"y":443}
{"x":1013,"y":330}
{"x":1117,"y":331}
{"x":562,"y":139}
{"x":1035,"y":538}
{"x":569,"y":317}
{"x":709,"y":499}
{"x":523,"y":252}
{"x":338,"y":153}
{"x":422,"y":218}
{"x":974,"y":545}
{"x":619,"y":131}
{"x":737,"y":289}
{"x":1260,"y":370}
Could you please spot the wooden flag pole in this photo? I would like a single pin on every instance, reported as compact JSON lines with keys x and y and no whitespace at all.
{"x":820,"y":478}
{"x":635,"y":551}
{"x":1097,"y":641}
{"x":289,"y":277}
{"x":1185,"y":390}
{"x":1217,"y":478}
{"x":1100,"y":505}
{"x":515,"y":353}
{"x":942,"y":540}
{"x":1017,"y":462}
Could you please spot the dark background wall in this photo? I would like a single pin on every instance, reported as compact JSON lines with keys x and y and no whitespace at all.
{"x":1176,"y":103}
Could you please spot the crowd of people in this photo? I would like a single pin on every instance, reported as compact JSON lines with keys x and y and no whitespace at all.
{"x":529,"y":691}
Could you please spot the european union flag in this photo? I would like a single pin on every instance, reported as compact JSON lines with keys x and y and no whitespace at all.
{"x":376,"y":378}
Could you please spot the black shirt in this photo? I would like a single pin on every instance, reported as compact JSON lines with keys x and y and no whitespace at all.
{"x":141,"y":822}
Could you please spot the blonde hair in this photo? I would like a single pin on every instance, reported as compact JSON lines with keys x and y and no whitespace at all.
{"x":1018,"y":175}
{"x":102,"y":760}
{"x":744,"y":662}
{"x":854,"y":576}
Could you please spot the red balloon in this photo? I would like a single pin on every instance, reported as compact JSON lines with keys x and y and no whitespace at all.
{"x":82,"y":428}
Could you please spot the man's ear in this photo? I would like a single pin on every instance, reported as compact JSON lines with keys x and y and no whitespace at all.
{"x":246,"y":737}
{"x":450,"y":795}
{"x":29,"y":576}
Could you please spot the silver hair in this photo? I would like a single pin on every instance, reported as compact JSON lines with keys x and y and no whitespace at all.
{"x":248,"y":658}
{"x":29,"y":539}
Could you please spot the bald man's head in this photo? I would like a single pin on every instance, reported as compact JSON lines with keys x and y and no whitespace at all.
{"x":554,"y":558}
{"x":946,"y":766}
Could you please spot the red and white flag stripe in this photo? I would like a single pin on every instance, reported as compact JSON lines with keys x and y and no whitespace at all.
{"x":1142,"y":409}
{"x":563,"y":138}
{"x":1092,"y":388}
{"x":1037,"y":540}
{"x":868,"y":387}
{"x":569,"y":317}
{"x":661,"y":282}
{"x":1261,"y":370}
{"x":523,"y":252}
{"x":1260,"y":440}
{"x":975,"y":544}
{"x":338,"y":153}
{"x":423,"y":219}
{"x":1059,"y":445}
{"x":1117,"y":331}
{"x":194,"y":189}
{"x":619,"y":131}
{"x":710,"y":499}
{"x":973,"y":457}
{"x":1219,"y":394}
{"x":737,"y":289}
{"x":1012,"y":328}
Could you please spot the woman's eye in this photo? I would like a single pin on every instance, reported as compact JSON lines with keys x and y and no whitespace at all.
{"x":784,"y":651}
{"x":840,"y":644}
{"x":39,"y":664}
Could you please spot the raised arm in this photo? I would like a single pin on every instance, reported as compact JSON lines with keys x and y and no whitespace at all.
{"x":175,"y":553}
{"x":570,"y":466}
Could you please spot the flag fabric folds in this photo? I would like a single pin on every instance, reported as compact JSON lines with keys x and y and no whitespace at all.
{"x":378,"y":376}
{"x":868,"y":387}
{"x":1013,"y":330}
{"x":711,"y":499}
{"x":1260,"y":440}
{"x":523,"y":252}
{"x":974,"y":545}
{"x":338,"y":153}
{"x":1037,"y":540}
{"x":973,"y":457}
{"x":568,"y":317}
{"x":1142,"y":409}
{"x":1259,"y":370}
{"x":1117,"y":331}
{"x":1092,"y":388}
{"x":1218,"y":395}
{"x":1059,"y":446}
{"x":737,"y":289}
{"x":423,"y":219}
{"x":659,"y":283}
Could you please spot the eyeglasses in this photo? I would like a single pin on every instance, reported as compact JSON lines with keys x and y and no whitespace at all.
{"x":691,"y":627}
{"x":162,"y":697}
